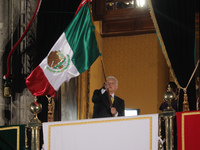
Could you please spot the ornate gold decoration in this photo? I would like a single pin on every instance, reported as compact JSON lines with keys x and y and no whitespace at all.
{"x":35,"y":125}
{"x":160,"y":144}
{"x":168,"y":97}
{"x":168,"y":114}
{"x":51,"y":107}
{"x":186,"y":103}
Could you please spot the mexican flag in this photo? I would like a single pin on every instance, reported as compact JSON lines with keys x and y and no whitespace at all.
{"x":73,"y":53}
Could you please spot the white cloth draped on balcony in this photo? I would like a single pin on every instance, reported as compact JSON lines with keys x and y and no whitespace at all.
{"x":116,"y":133}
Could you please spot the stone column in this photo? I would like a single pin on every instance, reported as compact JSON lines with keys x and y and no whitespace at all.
{"x":3,"y":41}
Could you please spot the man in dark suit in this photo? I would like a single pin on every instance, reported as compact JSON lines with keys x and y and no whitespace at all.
{"x":102,"y":105}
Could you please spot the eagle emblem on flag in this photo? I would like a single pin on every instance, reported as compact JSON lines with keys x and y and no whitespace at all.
{"x":57,"y":61}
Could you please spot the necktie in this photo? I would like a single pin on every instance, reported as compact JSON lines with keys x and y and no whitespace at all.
{"x":112,"y":99}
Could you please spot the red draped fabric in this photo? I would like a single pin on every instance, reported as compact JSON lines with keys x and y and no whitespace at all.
{"x":188,"y":130}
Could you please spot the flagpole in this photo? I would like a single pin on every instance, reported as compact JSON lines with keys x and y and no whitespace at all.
{"x":99,"y":49}
{"x":102,"y":64}
{"x":90,"y":13}
{"x":101,"y":59}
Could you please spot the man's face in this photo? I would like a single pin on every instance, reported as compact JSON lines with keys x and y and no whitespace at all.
{"x":112,"y":85}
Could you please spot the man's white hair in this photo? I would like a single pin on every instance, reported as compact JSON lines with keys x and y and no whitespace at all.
{"x":112,"y":77}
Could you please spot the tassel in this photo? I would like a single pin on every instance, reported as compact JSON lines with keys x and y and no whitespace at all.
{"x":185,"y":102}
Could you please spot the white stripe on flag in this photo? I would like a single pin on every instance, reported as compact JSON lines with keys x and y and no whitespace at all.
{"x":56,"y":79}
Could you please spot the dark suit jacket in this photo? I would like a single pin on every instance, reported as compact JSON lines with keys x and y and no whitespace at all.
{"x":102,"y":105}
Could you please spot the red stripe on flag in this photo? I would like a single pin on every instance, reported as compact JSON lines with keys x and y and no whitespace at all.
{"x":38,"y":84}
{"x":81,"y":4}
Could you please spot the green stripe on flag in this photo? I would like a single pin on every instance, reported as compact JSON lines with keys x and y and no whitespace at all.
{"x":81,"y":38}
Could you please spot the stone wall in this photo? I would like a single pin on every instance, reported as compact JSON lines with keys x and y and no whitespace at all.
{"x":14,"y":18}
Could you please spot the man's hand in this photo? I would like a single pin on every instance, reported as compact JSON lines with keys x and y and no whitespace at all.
{"x":106,"y":85}
{"x":113,"y":111}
